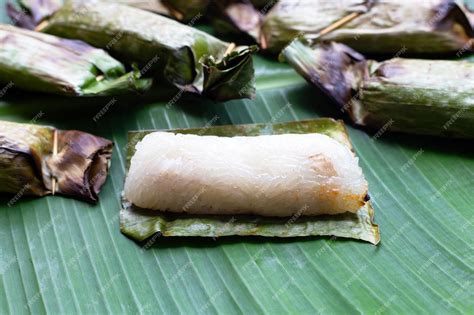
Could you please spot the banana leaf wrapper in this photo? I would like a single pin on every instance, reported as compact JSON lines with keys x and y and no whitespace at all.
{"x":385,"y":27}
{"x":237,"y":17}
{"x":31,"y":12}
{"x":141,"y":224}
{"x":227,"y":16}
{"x":189,"y":59}
{"x":27,"y":163}
{"x":429,"y":97}
{"x":183,"y":10}
{"x":45,"y":63}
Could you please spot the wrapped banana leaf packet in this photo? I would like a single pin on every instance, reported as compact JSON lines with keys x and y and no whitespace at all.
{"x":40,"y":160}
{"x":183,"y":56}
{"x":380,"y":27}
{"x":420,"y":96}
{"x":238,"y":16}
{"x":141,"y":224}
{"x":45,"y":63}
{"x":183,"y":10}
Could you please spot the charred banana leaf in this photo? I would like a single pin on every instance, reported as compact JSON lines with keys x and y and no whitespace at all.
{"x":189,"y":59}
{"x":28,"y":163}
{"x":45,"y":63}
{"x":388,"y":26}
{"x":183,"y":10}
{"x":37,"y":10}
{"x":431,"y":97}
{"x":240,"y":16}
{"x":236,"y":17}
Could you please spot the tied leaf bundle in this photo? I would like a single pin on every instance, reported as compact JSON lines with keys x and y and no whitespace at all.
{"x":45,"y":63}
{"x":140,"y":224}
{"x":383,"y":27}
{"x":189,"y":59}
{"x":431,"y":97}
{"x":28,"y":165}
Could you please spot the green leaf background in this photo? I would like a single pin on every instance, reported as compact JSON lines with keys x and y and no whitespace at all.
{"x":59,"y":255}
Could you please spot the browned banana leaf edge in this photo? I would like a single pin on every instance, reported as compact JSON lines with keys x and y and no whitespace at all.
{"x":28,"y":164}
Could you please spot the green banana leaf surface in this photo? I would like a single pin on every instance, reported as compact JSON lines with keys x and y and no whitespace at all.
{"x":62,"y":256}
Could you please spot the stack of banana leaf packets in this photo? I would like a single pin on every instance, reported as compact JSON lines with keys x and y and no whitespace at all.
{"x":153,"y":46}
{"x":408,"y":88}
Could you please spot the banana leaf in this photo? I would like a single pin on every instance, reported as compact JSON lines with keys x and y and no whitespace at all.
{"x":140,"y":224}
{"x":186,"y":10}
{"x":32,"y":12}
{"x":63,"y":256}
{"x":189,"y":59}
{"x":384,"y":27}
{"x":235,"y":17}
{"x":431,"y":97}
{"x":28,"y":166}
{"x":31,"y":61}
{"x":179,"y":9}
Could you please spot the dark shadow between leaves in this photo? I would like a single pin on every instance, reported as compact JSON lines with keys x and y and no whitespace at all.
{"x":199,"y":107}
{"x":160,"y":242}
{"x":24,"y":103}
{"x":313,"y":101}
